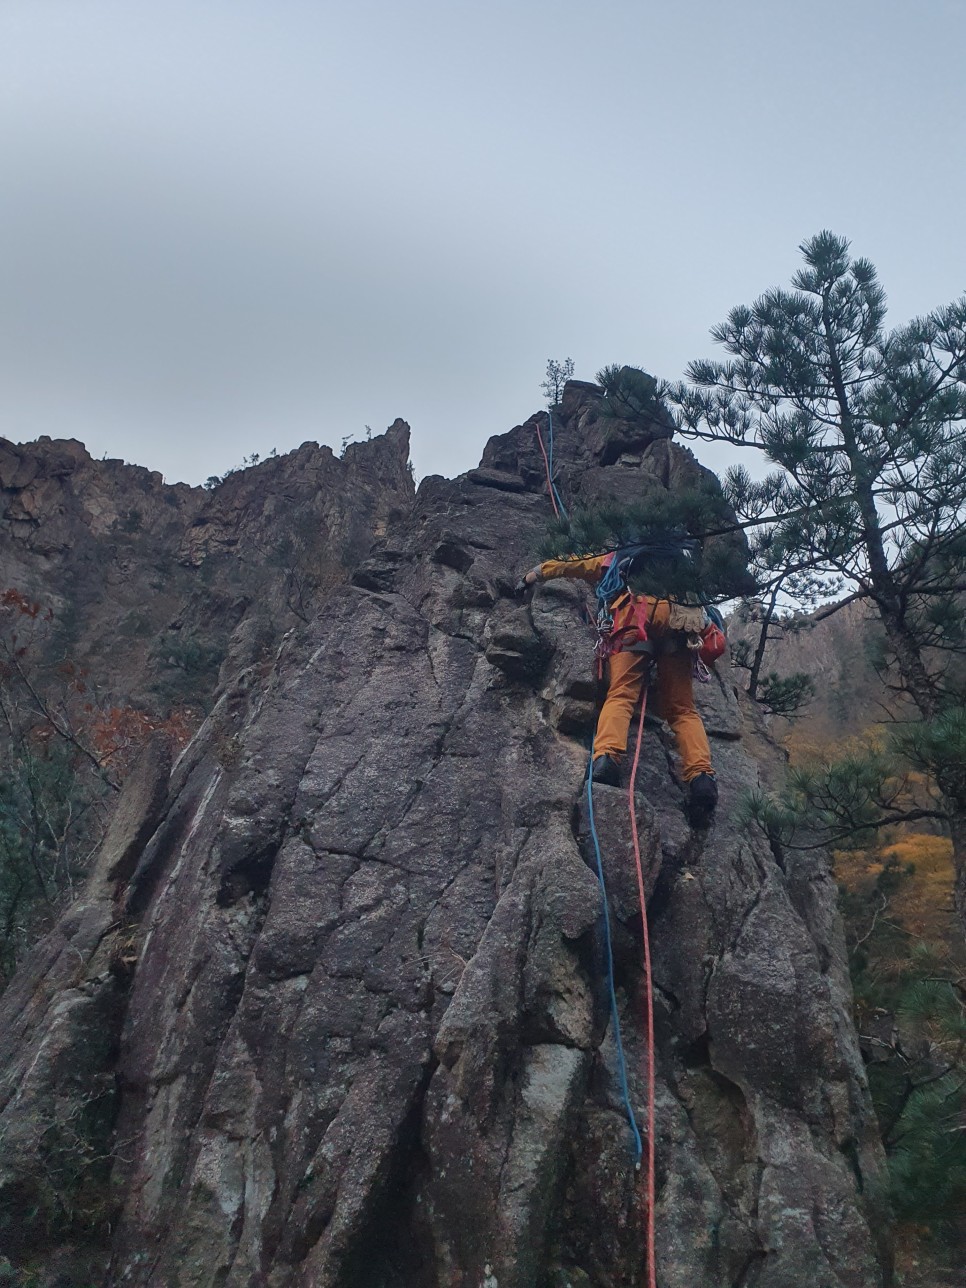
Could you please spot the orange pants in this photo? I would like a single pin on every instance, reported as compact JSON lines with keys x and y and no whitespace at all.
{"x":675,"y":698}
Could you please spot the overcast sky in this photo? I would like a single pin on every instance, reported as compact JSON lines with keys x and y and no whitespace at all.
{"x":228,"y":226}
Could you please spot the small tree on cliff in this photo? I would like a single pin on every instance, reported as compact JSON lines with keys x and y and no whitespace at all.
{"x":630,"y":393}
{"x":780,"y":695}
{"x":771,"y":616}
{"x":867,"y":428}
{"x":558,"y":373}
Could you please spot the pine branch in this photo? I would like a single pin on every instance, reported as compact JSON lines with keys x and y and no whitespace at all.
{"x":824,"y":613}
{"x":44,"y":710}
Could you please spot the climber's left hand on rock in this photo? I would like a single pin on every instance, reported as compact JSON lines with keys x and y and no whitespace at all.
{"x":527,"y":582}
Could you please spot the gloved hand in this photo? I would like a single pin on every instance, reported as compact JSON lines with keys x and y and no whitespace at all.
{"x":525,"y":585}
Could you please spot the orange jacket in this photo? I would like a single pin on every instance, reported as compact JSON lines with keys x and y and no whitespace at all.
{"x":589,"y":569}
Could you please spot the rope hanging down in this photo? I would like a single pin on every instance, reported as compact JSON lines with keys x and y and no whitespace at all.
{"x":648,"y":994}
{"x":615,"y":1016}
{"x":559,"y":508}
{"x":648,"y":1003}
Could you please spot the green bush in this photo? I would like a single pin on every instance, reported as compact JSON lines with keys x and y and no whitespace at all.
{"x":187,"y":667}
{"x":630,"y":393}
{"x":48,"y":811}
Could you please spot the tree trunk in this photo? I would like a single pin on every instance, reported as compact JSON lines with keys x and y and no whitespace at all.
{"x":909,"y":661}
{"x":755,"y":673}
{"x":885,"y":593}
{"x":957,"y":831}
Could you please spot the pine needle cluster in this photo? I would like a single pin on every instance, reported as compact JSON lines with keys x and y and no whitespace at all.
{"x":630,"y":393}
{"x":696,"y":551}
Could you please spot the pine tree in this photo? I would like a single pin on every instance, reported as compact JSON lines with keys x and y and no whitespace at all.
{"x":558,"y":373}
{"x":630,"y":393}
{"x":867,"y":428}
{"x":695,"y":551}
{"x":769,"y":618}
{"x":911,"y":1019}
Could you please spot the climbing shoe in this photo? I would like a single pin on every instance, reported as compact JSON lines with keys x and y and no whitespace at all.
{"x":606,"y":771}
{"x":702,"y":799}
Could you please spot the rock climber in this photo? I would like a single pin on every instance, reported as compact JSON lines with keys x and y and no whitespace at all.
{"x":668,"y":626}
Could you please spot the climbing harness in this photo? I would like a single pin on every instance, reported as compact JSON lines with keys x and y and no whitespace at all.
{"x":621,"y":619}
{"x":621,"y":626}
{"x":648,"y":992}
{"x":559,"y":509}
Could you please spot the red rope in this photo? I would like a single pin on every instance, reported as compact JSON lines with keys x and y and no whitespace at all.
{"x":648,"y":1002}
{"x":546,"y":462}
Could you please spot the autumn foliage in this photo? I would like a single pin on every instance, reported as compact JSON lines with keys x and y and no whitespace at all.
{"x":61,"y":705}
{"x":922,"y":907}
{"x":908,"y":965}
{"x":64,"y":751}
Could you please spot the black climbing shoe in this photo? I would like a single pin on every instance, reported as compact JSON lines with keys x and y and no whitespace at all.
{"x":702,"y":799}
{"x":606,"y":771}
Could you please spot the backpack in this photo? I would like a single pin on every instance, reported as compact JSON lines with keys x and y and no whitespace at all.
{"x":713,"y":638}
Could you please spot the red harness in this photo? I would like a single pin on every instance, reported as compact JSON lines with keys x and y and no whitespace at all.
{"x":624,"y":626}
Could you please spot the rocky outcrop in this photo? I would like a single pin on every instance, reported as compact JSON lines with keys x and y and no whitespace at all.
{"x":62,"y":1020}
{"x":359,"y":1033}
{"x":149,"y":581}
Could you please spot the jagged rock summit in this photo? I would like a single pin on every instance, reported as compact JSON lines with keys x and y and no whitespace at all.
{"x":331,"y":1009}
{"x":150,"y":580}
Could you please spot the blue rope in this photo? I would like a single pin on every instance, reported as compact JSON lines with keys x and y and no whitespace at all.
{"x":613,"y":580}
{"x":615,"y":1018}
{"x":560,"y":504}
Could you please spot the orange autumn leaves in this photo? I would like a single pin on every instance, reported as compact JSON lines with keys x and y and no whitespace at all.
{"x":56,"y":702}
{"x":922,"y":905}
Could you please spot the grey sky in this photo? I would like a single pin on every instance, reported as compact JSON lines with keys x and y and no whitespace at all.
{"x":227,"y":226}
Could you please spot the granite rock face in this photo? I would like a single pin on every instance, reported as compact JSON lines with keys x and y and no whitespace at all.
{"x":358,"y":1034}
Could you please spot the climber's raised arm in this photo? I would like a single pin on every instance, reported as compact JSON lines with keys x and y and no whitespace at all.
{"x":588,"y":569}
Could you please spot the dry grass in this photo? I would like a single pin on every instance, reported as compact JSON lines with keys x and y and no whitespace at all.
{"x":922,"y":907}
